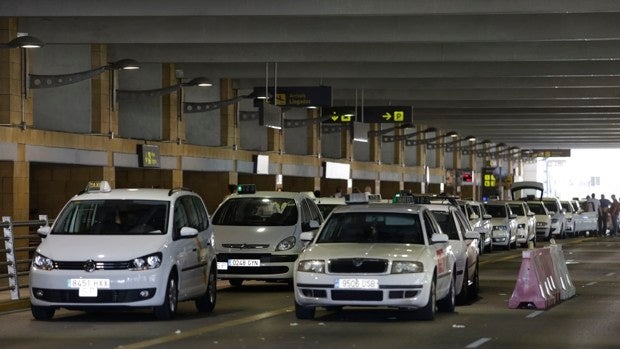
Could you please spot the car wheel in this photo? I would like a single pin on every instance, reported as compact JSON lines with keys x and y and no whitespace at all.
{"x":304,"y":312}
{"x":42,"y":313}
{"x":428,"y":311}
{"x":447,"y":303}
{"x":235,"y":282}
{"x":206,"y":303}
{"x":167,"y":310}
{"x":474,"y":288}
{"x":463,"y":296}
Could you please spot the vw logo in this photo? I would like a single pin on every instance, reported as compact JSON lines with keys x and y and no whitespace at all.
{"x":90,"y":266}
{"x":358,"y":262}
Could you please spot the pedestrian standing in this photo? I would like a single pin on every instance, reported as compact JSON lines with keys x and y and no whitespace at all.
{"x":614,"y":211}
{"x":603,"y":215}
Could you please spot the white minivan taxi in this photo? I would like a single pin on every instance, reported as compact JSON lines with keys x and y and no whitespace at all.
{"x":258,"y":234}
{"x":125,"y":248}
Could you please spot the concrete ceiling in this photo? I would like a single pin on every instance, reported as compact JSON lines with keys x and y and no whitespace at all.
{"x":531,"y":74}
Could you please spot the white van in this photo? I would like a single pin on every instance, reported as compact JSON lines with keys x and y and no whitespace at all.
{"x":125,"y":248}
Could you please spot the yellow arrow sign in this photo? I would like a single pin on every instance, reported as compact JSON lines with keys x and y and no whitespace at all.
{"x":387,"y":116}
{"x":335,"y":117}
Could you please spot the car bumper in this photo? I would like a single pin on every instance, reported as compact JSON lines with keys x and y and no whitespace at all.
{"x":126,"y":288}
{"x":409,"y":291}
{"x":502,"y":238}
{"x":268,"y":267}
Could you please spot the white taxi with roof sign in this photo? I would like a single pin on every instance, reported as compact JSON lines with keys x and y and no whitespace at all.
{"x":376,"y":255}
{"x":125,"y":248}
{"x":258,"y":233}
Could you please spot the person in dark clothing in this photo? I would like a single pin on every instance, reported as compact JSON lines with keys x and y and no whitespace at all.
{"x":603,"y":215}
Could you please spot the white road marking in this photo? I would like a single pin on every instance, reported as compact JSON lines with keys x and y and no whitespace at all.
{"x":610,"y":274}
{"x":478,"y":343}
{"x":591,"y":283}
{"x":534,"y":314}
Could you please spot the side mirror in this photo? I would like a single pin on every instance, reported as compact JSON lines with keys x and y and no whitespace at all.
{"x":314,"y":224}
{"x":531,"y":214}
{"x":474,"y":216}
{"x":44,"y":231}
{"x":187,"y":232}
{"x":439,"y":238}
{"x":513,"y":216}
{"x":552,"y":212}
{"x":306,"y":236}
{"x":487,"y":216}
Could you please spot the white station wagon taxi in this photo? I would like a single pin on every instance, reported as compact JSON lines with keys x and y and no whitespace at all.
{"x":376,"y":255}
{"x":125,"y":248}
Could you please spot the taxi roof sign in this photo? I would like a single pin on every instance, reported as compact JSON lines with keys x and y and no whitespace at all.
{"x":98,"y":186}
{"x":246,"y":188}
{"x":362,"y":198}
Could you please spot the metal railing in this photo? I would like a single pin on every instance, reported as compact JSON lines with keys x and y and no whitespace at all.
{"x":12,"y":264}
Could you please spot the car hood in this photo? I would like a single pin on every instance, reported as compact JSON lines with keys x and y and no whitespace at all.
{"x":100,"y":247}
{"x":358,"y":250}
{"x":226,"y":235}
{"x":499,"y":221}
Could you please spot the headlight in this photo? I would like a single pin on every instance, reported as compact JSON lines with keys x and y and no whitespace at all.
{"x":402,"y":267}
{"x":286,"y":244}
{"x":541,"y":224}
{"x":41,"y":262}
{"x":521,"y":226}
{"x":151,"y":261}
{"x":554,"y":220}
{"x":500,"y":227}
{"x":311,"y":266}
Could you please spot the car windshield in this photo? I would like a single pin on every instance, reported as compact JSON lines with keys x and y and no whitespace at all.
{"x":447,"y":224}
{"x":552,"y":206}
{"x":113,"y":217}
{"x":517,"y":209}
{"x":257,"y":211}
{"x":567,"y":206}
{"x":326,"y":209}
{"x":372,"y":227}
{"x":537,"y":208}
{"x":496,"y":211}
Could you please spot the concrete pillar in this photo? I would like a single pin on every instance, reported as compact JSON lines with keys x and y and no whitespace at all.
{"x":399,"y":147}
{"x":173,"y":126}
{"x":104,"y":118}
{"x":346,"y":144}
{"x":375,"y":143}
{"x":313,"y":134}
{"x":229,"y":134}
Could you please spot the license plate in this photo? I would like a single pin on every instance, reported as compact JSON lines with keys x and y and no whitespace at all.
{"x":244,"y":262}
{"x":358,"y":283}
{"x":222,"y":266}
{"x":89,"y":287}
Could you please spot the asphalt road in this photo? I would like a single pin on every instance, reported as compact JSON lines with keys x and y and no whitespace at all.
{"x":260,"y":315}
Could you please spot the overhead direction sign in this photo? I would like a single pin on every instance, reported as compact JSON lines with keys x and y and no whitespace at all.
{"x":388,"y":114}
{"x":338,"y":115}
{"x":298,"y":96}
{"x":549,"y":153}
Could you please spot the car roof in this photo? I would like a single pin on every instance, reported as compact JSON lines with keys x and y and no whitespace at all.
{"x":498,"y":202}
{"x":134,"y":194}
{"x":330,"y":201}
{"x":272,"y":194}
{"x":397,"y":208}
{"x":442,"y":207}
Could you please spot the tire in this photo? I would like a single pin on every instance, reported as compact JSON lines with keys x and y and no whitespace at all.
{"x":474,"y":288}
{"x":168,"y":309}
{"x":304,"y":312}
{"x":235,"y":282}
{"x":428,"y":311}
{"x":447,"y":303}
{"x":42,"y":313}
{"x":206,"y":303}
{"x":463,"y":296}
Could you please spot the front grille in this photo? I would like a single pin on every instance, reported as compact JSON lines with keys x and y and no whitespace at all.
{"x":66,"y":265}
{"x":358,"y":266}
{"x":347,"y":295}
{"x":246,"y":246}
{"x":103,"y":296}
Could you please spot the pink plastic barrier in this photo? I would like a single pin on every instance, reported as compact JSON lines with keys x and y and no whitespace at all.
{"x":536,"y":285}
{"x":567,"y":289}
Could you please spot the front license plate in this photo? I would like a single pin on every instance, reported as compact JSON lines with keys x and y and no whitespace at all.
{"x":358,"y":283}
{"x":244,"y":262}
{"x":89,"y":287}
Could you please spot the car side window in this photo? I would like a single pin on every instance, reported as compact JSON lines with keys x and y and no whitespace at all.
{"x":180,"y":219}
{"x":315,"y":214}
{"x":428,"y":226}
{"x":201,"y":214}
